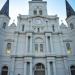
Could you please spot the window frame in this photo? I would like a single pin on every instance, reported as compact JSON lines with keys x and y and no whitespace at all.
{"x":35,"y":12}
{"x":41,"y":47}
{"x":40,"y":12}
{"x":23,"y":27}
{"x":53,"y":28}
{"x":8,"y":48}
{"x":71,"y":26}
{"x":36,"y":47}
{"x":68,"y":47}
{"x":4,"y":25}
{"x":72,"y":69}
{"x":4,"y":69}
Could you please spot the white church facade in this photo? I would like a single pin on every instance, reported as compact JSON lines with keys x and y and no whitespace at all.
{"x":38,"y":44}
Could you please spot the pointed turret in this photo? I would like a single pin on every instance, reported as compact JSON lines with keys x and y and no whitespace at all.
{"x":69,"y":9}
{"x":5,"y":9}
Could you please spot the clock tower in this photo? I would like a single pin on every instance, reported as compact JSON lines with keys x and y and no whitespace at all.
{"x":37,"y":7}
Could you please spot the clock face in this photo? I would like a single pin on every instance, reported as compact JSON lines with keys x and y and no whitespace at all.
{"x":38,"y":21}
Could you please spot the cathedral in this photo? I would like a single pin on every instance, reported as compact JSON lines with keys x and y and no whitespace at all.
{"x":38,"y":44}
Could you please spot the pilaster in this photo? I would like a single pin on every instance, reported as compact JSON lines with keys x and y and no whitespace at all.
{"x":31,"y":44}
{"x":51,"y":43}
{"x":31,"y":68}
{"x":12,"y":66}
{"x":48,"y":68}
{"x":25,"y":68}
{"x":66,"y":67}
{"x":54,"y":67}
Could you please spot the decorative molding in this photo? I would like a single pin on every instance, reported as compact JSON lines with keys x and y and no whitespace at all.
{"x":67,"y":40}
{"x":9,"y":40}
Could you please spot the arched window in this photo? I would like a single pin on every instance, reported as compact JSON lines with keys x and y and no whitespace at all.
{"x":35,"y":12}
{"x":72,"y":70}
{"x":71,"y":26}
{"x":39,"y":45}
{"x":40,"y":12}
{"x":4,"y":70}
{"x":68,"y":48}
{"x":39,"y":69}
{"x":4,"y":25}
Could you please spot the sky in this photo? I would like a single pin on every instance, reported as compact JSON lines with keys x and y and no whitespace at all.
{"x":54,"y":7}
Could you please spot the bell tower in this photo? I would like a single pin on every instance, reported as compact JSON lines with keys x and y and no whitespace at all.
{"x":37,"y":7}
{"x":4,"y":15}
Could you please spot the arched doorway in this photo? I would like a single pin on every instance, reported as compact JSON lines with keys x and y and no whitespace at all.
{"x":39,"y":69}
{"x":4,"y":70}
{"x":72,"y":70}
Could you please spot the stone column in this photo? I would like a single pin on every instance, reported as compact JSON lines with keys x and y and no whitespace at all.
{"x":66,"y":69}
{"x":46,"y":44}
{"x":31,"y":44}
{"x":37,"y":11}
{"x":31,"y":69}
{"x":25,"y":65}
{"x":54,"y":68}
{"x":0,"y":69}
{"x":15,"y":51}
{"x":26,"y":44}
{"x":12,"y":72}
{"x":51,"y":43}
{"x":48,"y":68}
{"x":62,"y":44}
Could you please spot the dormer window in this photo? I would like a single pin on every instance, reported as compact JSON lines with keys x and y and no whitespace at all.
{"x":40,"y":12}
{"x":4,"y":25}
{"x":35,"y":12}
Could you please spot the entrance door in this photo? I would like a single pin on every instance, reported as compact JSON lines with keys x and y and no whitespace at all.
{"x":39,"y":69}
{"x":72,"y":70}
{"x":4,"y":70}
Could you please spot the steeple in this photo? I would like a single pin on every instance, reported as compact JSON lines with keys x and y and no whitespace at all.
{"x":69,"y":9}
{"x":5,"y":9}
